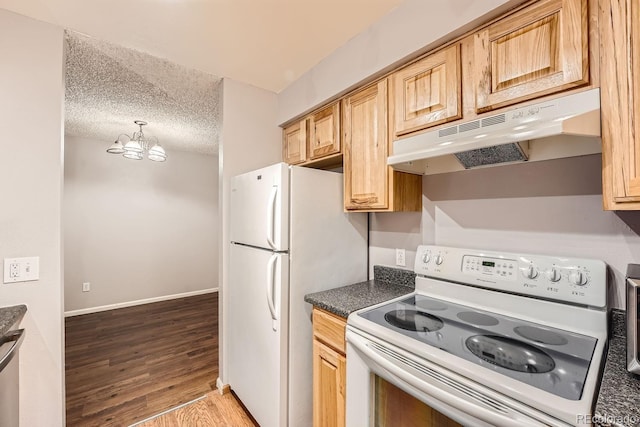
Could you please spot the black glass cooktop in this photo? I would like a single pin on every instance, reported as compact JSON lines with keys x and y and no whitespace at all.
{"x":550,"y":359}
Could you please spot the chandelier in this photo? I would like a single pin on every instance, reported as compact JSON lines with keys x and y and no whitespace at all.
{"x":136,"y":146}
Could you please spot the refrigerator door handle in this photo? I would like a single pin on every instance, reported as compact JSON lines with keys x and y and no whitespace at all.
{"x":271,"y":270}
{"x":270,"y":217}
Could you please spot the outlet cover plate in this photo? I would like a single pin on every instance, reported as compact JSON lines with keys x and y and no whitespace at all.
{"x":400,"y":258}
{"x":21,"y":269}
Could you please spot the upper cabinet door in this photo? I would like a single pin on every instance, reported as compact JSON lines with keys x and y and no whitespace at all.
{"x":427,"y":92}
{"x":539,"y":50}
{"x":325,"y":132}
{"x":366,"y":148}
{"x":619,"y":26}
{"x":634,"y":149}
{"x":294,"y":146}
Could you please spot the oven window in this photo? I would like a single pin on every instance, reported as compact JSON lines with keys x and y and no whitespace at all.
{"x":395,"y":408}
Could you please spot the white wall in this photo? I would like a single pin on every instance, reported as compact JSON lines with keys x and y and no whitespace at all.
{"x":137,"y":230}
{"x":31,"y":109}
{"x":414,"y":26}
{"x":552,"y":207}
{"x":250,"y":139}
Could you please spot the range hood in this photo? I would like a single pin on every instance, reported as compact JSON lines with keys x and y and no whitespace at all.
{"x":563,"y":127}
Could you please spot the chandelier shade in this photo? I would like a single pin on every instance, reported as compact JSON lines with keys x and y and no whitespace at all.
{"x":117,"y":147}
{"x":157,"y":154}
{"x":137,"y":145}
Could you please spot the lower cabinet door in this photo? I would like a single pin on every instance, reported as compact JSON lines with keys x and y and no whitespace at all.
{"x":329,"y":386}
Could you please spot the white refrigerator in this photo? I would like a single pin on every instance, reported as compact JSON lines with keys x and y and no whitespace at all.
{"x":289,"y":236}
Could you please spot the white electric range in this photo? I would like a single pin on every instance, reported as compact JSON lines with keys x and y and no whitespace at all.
{"x":487,"y":339}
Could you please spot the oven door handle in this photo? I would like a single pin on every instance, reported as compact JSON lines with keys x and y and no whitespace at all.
{"x":494,"y":417}
{"x":633,"y":362}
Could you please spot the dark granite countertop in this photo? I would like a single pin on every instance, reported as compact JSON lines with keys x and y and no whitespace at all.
{"x":9,"y":316}
{"x":619,"y":397}
{"x":388,"y":283}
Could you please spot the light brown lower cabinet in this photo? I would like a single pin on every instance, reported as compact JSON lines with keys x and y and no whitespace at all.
{"x":329,"y":386}
{"x":392,"y":406}
{"x":329,"y":369}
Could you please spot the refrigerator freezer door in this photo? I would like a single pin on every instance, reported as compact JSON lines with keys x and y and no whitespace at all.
{"x":257,"y":332}
{"x":259,"y":204}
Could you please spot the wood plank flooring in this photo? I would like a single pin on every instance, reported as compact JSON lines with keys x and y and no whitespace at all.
{"x":213,"y":411}
{"x":126,"y":365}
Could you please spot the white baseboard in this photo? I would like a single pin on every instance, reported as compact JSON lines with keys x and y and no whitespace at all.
{"x":137,"y":302}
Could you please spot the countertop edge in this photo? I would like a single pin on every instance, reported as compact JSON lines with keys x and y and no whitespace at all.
{"x":388,"y":283}
{"x":11,"y":315}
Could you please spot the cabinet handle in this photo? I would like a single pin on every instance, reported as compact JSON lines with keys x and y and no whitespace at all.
{"x":365,"y":201}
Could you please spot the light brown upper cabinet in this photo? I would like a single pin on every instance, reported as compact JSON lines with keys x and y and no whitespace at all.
{"x":315,"y":140}
{"x":536,"y":51}
{"x":428,"y":92}
{"x":369,"y":184}
{"x":325,"y":132}
{"x":294,"y":144}
{"x":366,"y":148}
{"x":620,"y":99}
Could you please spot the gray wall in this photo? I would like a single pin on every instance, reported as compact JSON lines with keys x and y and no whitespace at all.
{"x":412,"y":27}
{"x":551,"y":207}
{"x":137,"y":230}
{"x":547,"y":207}
{"x":31,"y":100}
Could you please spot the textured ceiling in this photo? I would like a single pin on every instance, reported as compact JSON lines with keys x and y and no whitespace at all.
{"x":109,"y":86}
{"x":266,"y":43}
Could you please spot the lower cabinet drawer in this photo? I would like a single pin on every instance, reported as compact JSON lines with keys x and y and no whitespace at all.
{"x":330,"y":329}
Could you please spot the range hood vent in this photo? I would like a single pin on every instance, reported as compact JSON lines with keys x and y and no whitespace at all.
{"x":497,"y":154}
{"x":563,"y":127}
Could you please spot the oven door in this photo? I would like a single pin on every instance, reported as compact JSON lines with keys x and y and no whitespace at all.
{"x":450,"y":394}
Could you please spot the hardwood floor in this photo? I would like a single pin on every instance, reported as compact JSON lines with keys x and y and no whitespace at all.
{"x":213,"y":411}
{"x":126,"y":365}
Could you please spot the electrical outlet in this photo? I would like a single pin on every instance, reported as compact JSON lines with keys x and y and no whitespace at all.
{"x":86,"y":287}
{"x":21,"y":269}
{"x":400,"y":260}
{"x":14,"y":270}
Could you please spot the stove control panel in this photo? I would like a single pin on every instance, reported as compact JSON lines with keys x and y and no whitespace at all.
{"x":505,"y":269}
{"x":575,"y":280}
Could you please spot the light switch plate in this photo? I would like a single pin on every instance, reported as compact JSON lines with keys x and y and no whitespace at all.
{"x":21,"y":269}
